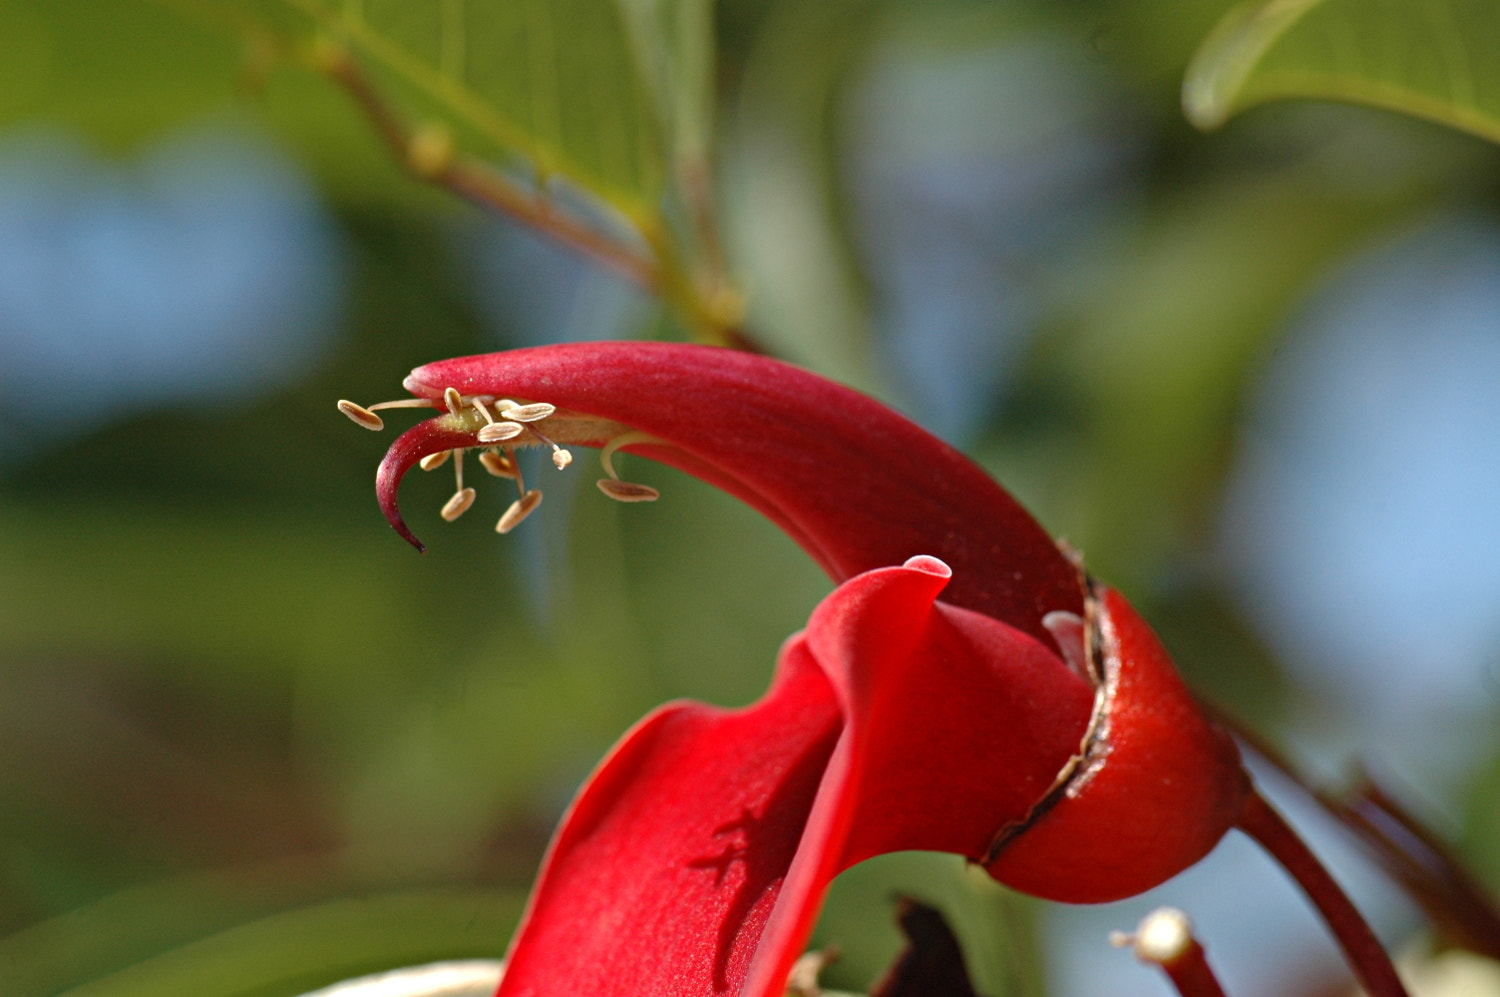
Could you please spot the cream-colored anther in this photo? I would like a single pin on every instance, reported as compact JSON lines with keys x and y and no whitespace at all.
{"x":518,"y":511}
{"x":360,"y":415}
{"x":433,"y":461}
{"x":499,"y":432}
{"x":627,"y":491}
{"x":453,"y":400}
{"x":1162,"y":937}
{"x":497,"y":465}
{"x":458,"y":504}
{"x":525,"y":413}
{"x":561,"y":458}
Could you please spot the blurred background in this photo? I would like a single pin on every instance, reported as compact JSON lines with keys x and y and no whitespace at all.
{"x":251,"y":743}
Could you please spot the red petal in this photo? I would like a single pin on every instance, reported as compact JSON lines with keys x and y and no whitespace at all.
{"x":1163,"y":784}
{"x":668,"y":865}
{"x":411,"y":446}
{"x":857,"y":485}
{"x":696,"y":859}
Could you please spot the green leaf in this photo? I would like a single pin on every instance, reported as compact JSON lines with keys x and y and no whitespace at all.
{"x":1435,"y":59}
{"x":293,"y":951}
{"x":552,"y":82}
{"x":674,"y":46}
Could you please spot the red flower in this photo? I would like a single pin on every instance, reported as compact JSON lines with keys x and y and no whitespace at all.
{"x":965,"y":688}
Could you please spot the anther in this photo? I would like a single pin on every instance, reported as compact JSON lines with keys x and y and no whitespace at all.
{"x":360,"y":415}
{"x":434,"y":460}
{"x":525,"y":413}
{"x":560,"y":457}
{"x":453,"y":400}
{"x":627,"y":491}
{"x":499,"y":432}
{"x":458,"y":504}
{"x":518,"y":511}
{"x":1163,"y":937}
{"x":497,"y":464}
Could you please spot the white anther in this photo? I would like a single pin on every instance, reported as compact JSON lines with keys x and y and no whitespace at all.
{"x":499,"y":432}
{"x":1162,"y":937}
{"x":497,"y":464}
{"x":518,"y":511}
{"x":434,"y":460}
{"x":453,"y":400}
{"x":458,"y":504}
{"x":525,"y":413}
{"x":360,"y":415}
{"x":627,"y":491}
{"x":560,"y":457}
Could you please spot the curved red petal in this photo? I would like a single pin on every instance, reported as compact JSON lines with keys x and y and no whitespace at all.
{"x":696,"y":859}
{"x":958,"y":723}
{"x":856,"y":484}
{"x":424,"y":438}
{"x":1160,"y":789}
{"x":668,"y":865}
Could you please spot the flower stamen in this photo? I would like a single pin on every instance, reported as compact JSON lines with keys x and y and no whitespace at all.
{"x":560,"y":457}
{"x":533,"y":412}
{"x":498,"y":464}
{"x":433,"y":461}
{"x":499,"y":432}
{"x":519,"y":510}
{"x":366,"y":417}
{"x":462,"y":497}
{"x":624,"y":491}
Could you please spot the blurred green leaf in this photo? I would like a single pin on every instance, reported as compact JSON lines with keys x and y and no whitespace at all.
{"x":1429,"y":58}
{"x":674,"y":45}
{"x":289,"y":952}
{"x":553,"y":83}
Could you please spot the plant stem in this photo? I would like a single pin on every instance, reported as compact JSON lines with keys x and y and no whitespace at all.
{"x":1367,"y":958}
{"x":1165,"y":939}
{"x":482,"y":185}
{"x":1455,"y":901}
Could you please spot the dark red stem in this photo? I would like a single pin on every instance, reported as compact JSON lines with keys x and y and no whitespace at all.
{"x":1461,"y":908}
{"x":1367,"y":958}
{"x":1191,"y":974}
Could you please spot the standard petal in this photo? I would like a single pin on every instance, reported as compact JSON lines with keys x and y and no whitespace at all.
{"x":958,"y":724}
{"x":696,"y":859}
{"x":856,"y":484}
{"x":955,"y":726}
{"x":668,"y":865}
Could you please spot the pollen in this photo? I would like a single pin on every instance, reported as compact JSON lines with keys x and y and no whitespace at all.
{"x":534,"y":412}
{"x":361,"y":416}
{"x":627,"y":491}
{"x":499,"y":432}
{"x":624,"y":491}
{"x":518,"y":511}
{"x":458,"y":504}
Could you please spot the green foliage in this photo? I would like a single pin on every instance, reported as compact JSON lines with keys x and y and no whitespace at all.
{"x":1429,"y":58}
{"x":288,"y":952}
